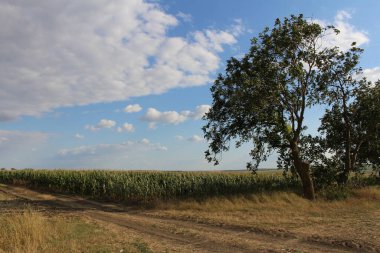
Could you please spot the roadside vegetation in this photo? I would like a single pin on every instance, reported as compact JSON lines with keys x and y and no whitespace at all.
{"x":276,"y":222}
{"x":28,"y":228}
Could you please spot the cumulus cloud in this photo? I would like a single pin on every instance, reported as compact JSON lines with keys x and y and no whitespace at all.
{"x":154,"y":116}
{"x":198,"y":113}
{"x":372,"y":74}
{"x":112,"y":149}
{"x":132,"y":108}
{"x":65,"y":53}
{"x":348,"y":33}
{"x":168,"y":117}
{"x":196,"y":138}
{"x":103,"y":123}
{"x":126,"y":127}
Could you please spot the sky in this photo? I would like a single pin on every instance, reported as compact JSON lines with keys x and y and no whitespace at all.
{"x":123,"y":84}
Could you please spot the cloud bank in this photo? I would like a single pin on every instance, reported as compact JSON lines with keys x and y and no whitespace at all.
{"x":124,"y":148}
{"x":67,"y":53}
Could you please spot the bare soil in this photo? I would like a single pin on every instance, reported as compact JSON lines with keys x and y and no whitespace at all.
{"x":166,"y":231}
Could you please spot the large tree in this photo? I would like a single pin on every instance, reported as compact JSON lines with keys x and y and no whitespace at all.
{"x":263,"y":96}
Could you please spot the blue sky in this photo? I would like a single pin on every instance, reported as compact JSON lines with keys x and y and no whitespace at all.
{"x":123,"y":84}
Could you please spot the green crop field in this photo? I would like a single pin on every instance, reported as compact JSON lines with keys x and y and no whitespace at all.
{"x":147,"y":185}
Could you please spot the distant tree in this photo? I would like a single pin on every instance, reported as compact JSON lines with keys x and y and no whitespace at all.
{"x":263,"y":96}
{"x":343,"y":136}
{"x":367,"y":125}
{"x":350,"y":124}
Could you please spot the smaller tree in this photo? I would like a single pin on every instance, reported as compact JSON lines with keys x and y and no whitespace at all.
{"x":341,"y":68}
{"x":350,"y":127}
{"x":368,"y":120}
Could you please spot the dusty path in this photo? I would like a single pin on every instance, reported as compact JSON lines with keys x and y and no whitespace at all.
{"x":183,"y":235}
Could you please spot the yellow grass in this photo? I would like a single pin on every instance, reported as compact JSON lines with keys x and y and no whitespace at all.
{"x":355,"y":217}
{"x":33,"y":232}
{"x":24,"y":232}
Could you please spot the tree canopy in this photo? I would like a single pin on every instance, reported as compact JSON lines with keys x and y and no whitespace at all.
{"x":262,"y":97}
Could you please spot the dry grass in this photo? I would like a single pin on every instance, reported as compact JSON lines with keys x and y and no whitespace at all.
{"x":355,"y":217}
{"x":26,"y":231}
{"x":32,"y":231}
{"x":278,"y":200}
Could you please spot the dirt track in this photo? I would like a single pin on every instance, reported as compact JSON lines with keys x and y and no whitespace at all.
{"x":186,"y":235}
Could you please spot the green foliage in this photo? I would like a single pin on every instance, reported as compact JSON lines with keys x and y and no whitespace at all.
{"x":262,"y":97}
{"x":136,"y":186}
{"x":142,"y":246}
{"x":351,"y":133}
{"x":335,"y":192}
{"x":368,"y":118}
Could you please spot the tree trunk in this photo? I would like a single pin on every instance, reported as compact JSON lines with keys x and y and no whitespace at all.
{"x":307,"y":182}
{"x":347,"y":135}
{"x":347,"y":164}
{"x":303,"y":170}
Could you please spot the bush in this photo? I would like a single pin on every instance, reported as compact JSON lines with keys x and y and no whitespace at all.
{"x":335,"y":192}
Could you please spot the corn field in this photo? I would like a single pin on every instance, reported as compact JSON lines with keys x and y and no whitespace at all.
{"x":136,"y":186}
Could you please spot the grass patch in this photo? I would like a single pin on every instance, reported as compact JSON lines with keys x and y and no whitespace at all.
{"x":142,"y":246}
{"x":31,"y":231}
{"x":335,"y":192}
{"x":23,"y":232}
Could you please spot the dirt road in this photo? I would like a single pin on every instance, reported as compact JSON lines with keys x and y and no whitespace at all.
{"x":187,"y":235}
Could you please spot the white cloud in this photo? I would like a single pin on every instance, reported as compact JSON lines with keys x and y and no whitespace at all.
{"x":196,"y":138}
{"x":126,"y":128}
{"x":132,"y":108}
{"x":200,"y":111}
{"x":372,"y":74}
{"x":103,"y":123}
{"x":65,"y":53}
{"x":153,"y":116}
{"x":79,"y":136}
{"x":106,"y":123}
{"x":145,"y":141}
{"x":112,"y":149}
{"x":184,"y":16}
{"x":168,"y":117}
{"x":348,"y":33}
